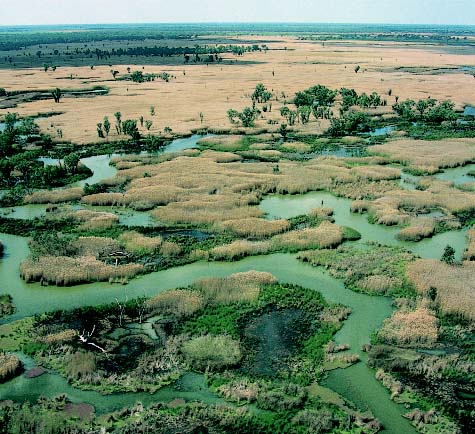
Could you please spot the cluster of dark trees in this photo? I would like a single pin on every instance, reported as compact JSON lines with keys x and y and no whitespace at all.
{"x":21,"y":168}
{"x":427,"y":109}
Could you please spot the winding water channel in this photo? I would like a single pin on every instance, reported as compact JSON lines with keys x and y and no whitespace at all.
{"x":356,"y":383}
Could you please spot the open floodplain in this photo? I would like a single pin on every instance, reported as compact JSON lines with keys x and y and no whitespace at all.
{"x":263,"y":229}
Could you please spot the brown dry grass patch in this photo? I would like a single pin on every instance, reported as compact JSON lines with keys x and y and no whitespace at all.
{"x":428,"y":154}
{"x":326,"y":235}
{"x":417,"y":327}
{"x":55,"y":196}
{"x":454,"y":285}
{"x":180,"y":302}
{"x":238,"y":287}
{"x":66,"y":271}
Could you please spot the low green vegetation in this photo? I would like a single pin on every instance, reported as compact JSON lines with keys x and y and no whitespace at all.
{"x":373,"y":269}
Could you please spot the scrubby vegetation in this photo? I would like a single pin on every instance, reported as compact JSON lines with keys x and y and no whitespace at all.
{"x":375,"y":269}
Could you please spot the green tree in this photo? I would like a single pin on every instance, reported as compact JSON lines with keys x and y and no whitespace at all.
{"x":148,"y":124}
{"x":449,"y":255}
{"x":107,"y":125}
{"x":129,"y":127}
{"x":71,"y":162}
{"x":261,"y":94}
{"x":100,"y":133}
{"x":118,"y":122}
{"x":137,"y":77}
{"x":56,"y":94}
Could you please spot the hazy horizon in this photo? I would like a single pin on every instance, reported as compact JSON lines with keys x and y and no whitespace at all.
{"x":399,"y":12}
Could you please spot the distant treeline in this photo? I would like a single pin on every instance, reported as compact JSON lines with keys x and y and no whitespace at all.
{"x":156,"y":51}
{"x":15,"y":38}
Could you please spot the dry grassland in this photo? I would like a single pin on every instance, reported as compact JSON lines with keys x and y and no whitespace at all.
{"x":455,"y":285}
{"x":428,"y":156}
{"x":214,"y":89}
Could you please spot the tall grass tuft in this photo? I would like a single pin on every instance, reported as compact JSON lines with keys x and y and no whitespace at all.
{"x":238,"y":287}
{"x":66,"y":271}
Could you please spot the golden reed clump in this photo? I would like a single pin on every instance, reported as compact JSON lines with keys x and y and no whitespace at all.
{"x":55,"y":196}
{"x":238,"y":287}
{"x":416,"y":327}
{"x":454,"y":284}
{"x":428,"y":155}
{"x":10,"y":365}
{"x":66,"y":271}
{"x":180,"y":302}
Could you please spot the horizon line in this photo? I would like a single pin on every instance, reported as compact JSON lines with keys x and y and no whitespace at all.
{"x":238,"y":23}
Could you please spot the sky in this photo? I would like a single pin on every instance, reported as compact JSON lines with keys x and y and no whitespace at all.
{"x":23,"y":12}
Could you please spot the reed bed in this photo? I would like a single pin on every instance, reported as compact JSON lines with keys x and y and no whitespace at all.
{"x":206,"y":189}
{"x":239,"y":249}
{"x":94,"y":246}
{"x":396,"y":207}
{"x":170,"y":250}
{"x":137,"y":243}
{"x":408,"y":328}
{"x":212,"y":352}
{"x":221,"y":157}
{"x":425,"y":155}
{"x":454,"y":284}
{"x":66,"y":271}
{"x":299,"y":147}
{"x":55,"y":196}
{"x":229,"y":143}
{"x":254,"y":227}
{"x":469,"y":253}
{"x":419,"y":228}
{"x":238,"y":287}
{"x":10,"y":365}
{"x":179,"y":302}
{"x":326,"y":235}
{"x":60,"y":338}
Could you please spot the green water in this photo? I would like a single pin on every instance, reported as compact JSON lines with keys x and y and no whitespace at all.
{"x":368,"y":314}
{"x":356,"y":383}
{"x":191,"y":387}
{"x":291,"y":206}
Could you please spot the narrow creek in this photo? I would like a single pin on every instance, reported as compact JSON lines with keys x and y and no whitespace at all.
{"x":356,"y":383}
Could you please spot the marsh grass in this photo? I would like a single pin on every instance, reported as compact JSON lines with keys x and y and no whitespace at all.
{"x":453,"y":285}
{"x":139,"y":244}
{"x":418,"y":229}
{"x":469,"y":253}
{"x":236,"y":288}
{"x":239,"y":249}
{"x":326,"y":235}
{"x":410,"y":328}
{"x":254,"y":227}
{"x":179,"y":302}
{"x":428,"y":155}
{"x":67,"y":271}
{"x":212,"y":352}
{"x":374,"y":270}
{"x":55,"y":196}
{"x":10,"y":365}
